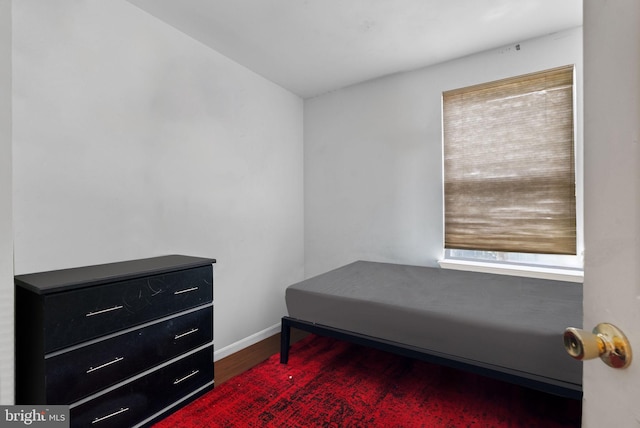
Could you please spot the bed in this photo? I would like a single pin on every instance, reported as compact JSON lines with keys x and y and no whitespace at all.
{"x":505,"y":327}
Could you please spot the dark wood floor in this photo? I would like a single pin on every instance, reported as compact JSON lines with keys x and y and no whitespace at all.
{"x":243,"y":360}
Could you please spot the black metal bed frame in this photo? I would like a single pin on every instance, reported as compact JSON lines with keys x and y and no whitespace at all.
{"x":540,"y":383}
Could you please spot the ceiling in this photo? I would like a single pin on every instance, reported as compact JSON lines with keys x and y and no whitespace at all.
{"x":315,"y":46}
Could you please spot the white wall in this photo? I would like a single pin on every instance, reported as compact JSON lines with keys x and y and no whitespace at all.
{"x":132,"y":140}
{"x":612,"y":203}
{"x":6,"y":240}
{"x":373,"y":155}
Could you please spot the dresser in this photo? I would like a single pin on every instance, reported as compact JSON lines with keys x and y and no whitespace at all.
{"x":123,"y":344}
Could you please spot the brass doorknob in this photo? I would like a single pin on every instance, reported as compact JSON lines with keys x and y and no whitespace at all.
{"x":606,"y":341}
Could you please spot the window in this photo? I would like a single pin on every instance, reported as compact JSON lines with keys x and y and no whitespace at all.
{"x":509,"y":170}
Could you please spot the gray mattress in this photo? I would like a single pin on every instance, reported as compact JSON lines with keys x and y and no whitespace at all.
{"x":501,"y":322}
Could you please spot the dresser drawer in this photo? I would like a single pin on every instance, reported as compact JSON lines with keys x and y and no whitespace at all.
{"x":74,"y":316}
{"x":134,"y":402}
{"x":84,"y":371}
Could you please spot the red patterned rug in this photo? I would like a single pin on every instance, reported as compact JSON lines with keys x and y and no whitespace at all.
{"x":330,"y":383}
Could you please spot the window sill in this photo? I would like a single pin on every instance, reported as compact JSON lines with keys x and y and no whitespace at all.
{"x":558,"y":274}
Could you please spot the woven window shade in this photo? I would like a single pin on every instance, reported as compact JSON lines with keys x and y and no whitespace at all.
{"x":509,"y":169}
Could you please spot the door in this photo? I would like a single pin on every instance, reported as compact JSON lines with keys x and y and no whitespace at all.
{"x":612,"y":203}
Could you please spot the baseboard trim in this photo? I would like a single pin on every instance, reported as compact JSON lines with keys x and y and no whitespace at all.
{"x":251,"y":351}
{"x":246,"y":342}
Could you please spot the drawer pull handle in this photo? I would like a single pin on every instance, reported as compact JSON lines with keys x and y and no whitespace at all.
{"x":186,"y":290}
{"x":115,"y":308}
{"x":93,"y":369}
{"x":179,"y":336}
{"x":193,"y":373}
{"x":110,"y":415}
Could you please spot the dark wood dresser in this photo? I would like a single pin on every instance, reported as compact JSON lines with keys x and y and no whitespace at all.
{"x":123,"y":344}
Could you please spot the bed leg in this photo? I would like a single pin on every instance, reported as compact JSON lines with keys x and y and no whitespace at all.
{"x":285,"y":339}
